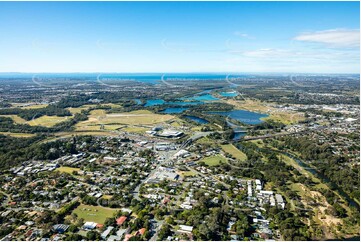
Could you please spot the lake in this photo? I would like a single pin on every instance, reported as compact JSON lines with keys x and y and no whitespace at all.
{"x":243,"y":116}
{"x":138,"y":101}
{"x":173,"y":110}
{"x":238,"y":135}
{"x":184,"y":103}
{"x":154,"y":102}
{"x":228,"y":94}
{"x":204,"y":97}
{"x":197,"y":119}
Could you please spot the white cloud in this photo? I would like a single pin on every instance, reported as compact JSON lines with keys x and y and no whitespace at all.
{"x":240,"y":34}
{"x":264,"y":53}
{"x":243,"y":35}
{"x":333,"y":37}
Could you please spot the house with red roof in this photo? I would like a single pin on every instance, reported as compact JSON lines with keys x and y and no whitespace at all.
{"x":127,"y":237}
{"x":140,"y":232}
{"x":121,"y":220}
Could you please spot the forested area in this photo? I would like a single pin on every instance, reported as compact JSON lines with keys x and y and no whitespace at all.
{"x":331,"y":165}
{"x":29,"y":114}
{"x":16,"y":150}
{"x":266,"y":165}
{"x":8,"y":125}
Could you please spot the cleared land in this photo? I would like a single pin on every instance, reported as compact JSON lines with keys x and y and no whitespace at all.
{"x":250,"y":105}
{"x":236,"y":153}
{"x":17,"y":135}
{"x":30,"y":105}
{"x":140,"y":117}
{"x":79,"y":109}
{"x":285,"y":117}
{"x":88,"y":106}
{"x":95,"y":214}
{"x":135,"y":129}
{"x":187,"y":173}
{"x":67,"y":169}
{"x":47,"y":121}
{"x":214,"y":160}
{"x":35,"y":106}
{"x":16,"y":118}
{"x":94,"y":133}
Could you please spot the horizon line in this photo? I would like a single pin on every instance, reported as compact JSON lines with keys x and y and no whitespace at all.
{"x":191,"y":72}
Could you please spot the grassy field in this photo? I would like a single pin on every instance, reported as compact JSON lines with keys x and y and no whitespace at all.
{"x":67,"y":169}
{"x":250,"y":105}
{"x":17,"y":135}
{"x":139,"y":117}
{"x":94,"y":133}
{"x":176,"y":124}
{"x":234,"y":152}
{"x":35,"y":106}
{"x":87,"y":106}
{"x":214,"y":160}
{"x":196,"y":128}
{"x":133,"y":129}
{"x":47,"y":121}
{"x":205,"y":140}
{"x":16,"y":118}
{"x":107,"y":196}
{"x":187,"y":173}
{"x":113,"y":126}
{"x":79,"y":109}
{"x":95,"y":127}
{"x":259,"y":143}
{"x":95,"y":214}
{"x":285,"y":117}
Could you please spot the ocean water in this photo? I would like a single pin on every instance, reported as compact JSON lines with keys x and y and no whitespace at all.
{"x":112,"y":78}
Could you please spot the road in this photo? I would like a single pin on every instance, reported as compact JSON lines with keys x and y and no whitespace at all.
{"x":160,"y":224}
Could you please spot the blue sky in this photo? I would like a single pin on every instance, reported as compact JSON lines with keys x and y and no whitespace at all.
{"x":312,"y":37}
